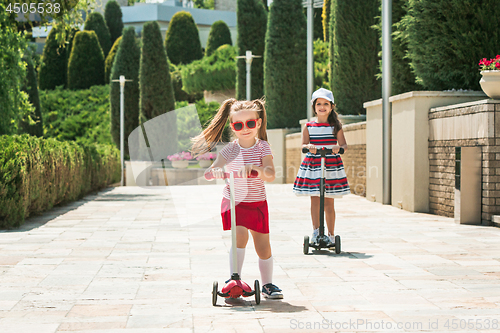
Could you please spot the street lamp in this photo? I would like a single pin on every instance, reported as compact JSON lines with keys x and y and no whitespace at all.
{"x":248,"y":59}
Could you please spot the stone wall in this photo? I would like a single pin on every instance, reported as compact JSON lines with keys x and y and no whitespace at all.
{"x":464,"y":125}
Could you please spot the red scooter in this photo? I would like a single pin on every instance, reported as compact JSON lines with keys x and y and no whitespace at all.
{"x":235,"y":287}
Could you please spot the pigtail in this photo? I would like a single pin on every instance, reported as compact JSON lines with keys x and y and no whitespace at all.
{"x":212,"y":135}
{"x":262,"y":114}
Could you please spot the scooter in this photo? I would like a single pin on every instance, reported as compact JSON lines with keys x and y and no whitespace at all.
{"x":323,"y":240}
{"x":235,"y":287}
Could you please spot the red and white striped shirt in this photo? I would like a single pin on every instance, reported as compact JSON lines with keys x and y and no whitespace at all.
{"x":246,"y":189}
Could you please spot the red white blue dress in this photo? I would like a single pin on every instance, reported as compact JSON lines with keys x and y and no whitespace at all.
{"x":308,"y":177}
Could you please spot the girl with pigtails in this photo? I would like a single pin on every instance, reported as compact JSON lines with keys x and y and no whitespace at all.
{"x":249,"y":151}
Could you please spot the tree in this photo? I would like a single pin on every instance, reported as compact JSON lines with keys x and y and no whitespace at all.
{"x":183,"y":40}
{"x":86,"y":62}
{"x":285,"y":64}
{"x":113,"y":16}
{"x":355,"y":54}
{"x":95,"y":22}
{"x":53,"y":70}
{"x":126,"y":63}
{"x":32,"y":124}
{"x":108,"y":63}
{"x":218,"y":36}
{"x":252,"y":26}
{"x":446,"y":40}
{"x":325,"y":15}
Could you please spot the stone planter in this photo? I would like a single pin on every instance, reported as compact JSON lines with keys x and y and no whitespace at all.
{"x":205,"y":163}
{"x":490,"y":83}
{"x":180,"y":164}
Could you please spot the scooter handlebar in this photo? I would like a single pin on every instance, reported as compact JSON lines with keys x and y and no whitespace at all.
{"x":227,"y":175}
{"x":326,"y":150}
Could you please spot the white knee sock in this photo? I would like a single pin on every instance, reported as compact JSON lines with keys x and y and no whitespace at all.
{"x":266,"y":270}
{"x":240,"y":254}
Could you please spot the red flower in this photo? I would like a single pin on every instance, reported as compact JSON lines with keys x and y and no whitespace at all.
{"x":497,"y":65}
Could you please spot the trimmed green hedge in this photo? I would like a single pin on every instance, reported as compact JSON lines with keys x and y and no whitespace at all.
{"x":95,"y":22}
{"x":183,"y":39}
{"x":218,"y":36}
{"x":216,"y":72}
{"x":37,"y":174}
{"x":86,"y":63}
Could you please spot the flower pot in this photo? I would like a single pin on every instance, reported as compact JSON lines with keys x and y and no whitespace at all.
{"x":490,"y":83}
{"x":205,"y":163}
{"x":180,"y":164}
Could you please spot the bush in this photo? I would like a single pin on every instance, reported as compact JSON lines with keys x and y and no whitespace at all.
{"x":95,"y":22}
{"x":218,"y":36}
{"x":355,"y":59}
{"x":446,"y":40}
{"x":113,"y":16}
{"x":216,"y":72}
{"x":285,"y":64}
{"x":37,"y":174}
{"x":86,"y":63}
{"x":179,"y":93}
{"x":325,"y":15}
{"x":53,"y":69}
{"x":252,"y":26}
{"x":32,"y":124}
{"x":321,"y":64}
{"x":182,"y":40}
{"x":82,"y":116}
{"x":127,"y":63}
{"x":108,"y":63}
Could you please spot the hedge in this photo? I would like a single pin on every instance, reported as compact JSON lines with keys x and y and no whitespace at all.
{"x":113,"y":17}
{"x":179,"y":93}
{"x":182,"y":39}
{"x":53,"y":69}
{"x":108,"y":63}
{"x":35,"y":126}
{"x":216,"y":72}
{"x":218,"y":36}
{"x":37,"y":174}
{"x":95,"y":22}
{"x":86,"y":63}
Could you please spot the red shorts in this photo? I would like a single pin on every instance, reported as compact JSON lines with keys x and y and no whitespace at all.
{"x":251,"y":215}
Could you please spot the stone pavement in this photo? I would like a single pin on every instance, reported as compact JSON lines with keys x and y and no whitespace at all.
{"x":132,"y":259}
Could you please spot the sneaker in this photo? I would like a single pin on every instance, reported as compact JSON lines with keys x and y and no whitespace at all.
{"x":332,"y":239}
{"x":314,"y":238}
{"x":271,"y":291}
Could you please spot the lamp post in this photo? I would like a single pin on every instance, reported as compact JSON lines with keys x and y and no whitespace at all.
{"x":122,"y":81}
{"x":386,"y":93}
{"x":248,"y":59}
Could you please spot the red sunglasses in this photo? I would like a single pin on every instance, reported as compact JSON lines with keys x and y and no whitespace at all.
{"x":238,"y":126}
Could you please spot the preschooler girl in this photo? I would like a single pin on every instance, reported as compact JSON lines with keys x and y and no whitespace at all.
{"x":326,"y":132}
{"x":249,"y":151}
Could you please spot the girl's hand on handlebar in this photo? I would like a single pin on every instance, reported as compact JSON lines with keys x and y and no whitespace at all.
{"x":217,"y":173}
{"x":335,"y":149}
{"x":245,"y":171}
{"x":311,"y":147}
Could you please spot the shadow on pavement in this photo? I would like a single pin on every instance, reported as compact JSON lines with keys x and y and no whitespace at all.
{"x":350,"y":255}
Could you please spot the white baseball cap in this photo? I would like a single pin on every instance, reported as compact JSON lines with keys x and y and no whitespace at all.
{"x":322,"y":93}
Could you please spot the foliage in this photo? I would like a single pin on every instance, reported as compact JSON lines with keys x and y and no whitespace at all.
{"x":490,"y":65}
{"x":113,"y":16}
{"x":81,"y":116}
{"x":37,"y":174}
{"x":53,"y":69}
{"x":216,"y":72}
{"x":183,"y":40}
{"x":355,"y":55}
{"x":108,"y":63}
{"x":95,"y":22}
{"x":204,"y":4}
{"x":446,"y":39}
{"x":218,"y":36}
{"x":252,"y":26}
{"x":325,"y":15}
{"x":14,"y":104}
{"x":317,"y":22}
{"x":321,"y":64}
{"x":285,"y":64}
{"x":32,"y":124}
{"x":127,"y":62}
{"x":86,"y":62}
{"x":179,"y":93}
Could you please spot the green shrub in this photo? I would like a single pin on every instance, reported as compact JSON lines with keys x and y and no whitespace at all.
{"x":81,"y":115}
{"x":325,"y":15}
{"x":183,"y":40}
{"x":53,"y":69}
{"x":252,"y":25}
{"x":113,"y":16}
{"x":108,"y":63}
{"x":86,"y":63}
{"x":216,"y":72}
{"x":218,"y":36}
{"x":127,"y":63}
{"x":179,"y":93}
{"x":95,"y":22}
{"x":321,"y":64}
{"x":37,"y":174}
{"x":355,"y":60}
{"x":447,"y":38}
{"x":285,"y":64}
{"x":32,"y":124}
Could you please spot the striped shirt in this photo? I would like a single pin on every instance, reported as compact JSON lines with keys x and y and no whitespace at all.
{"x":246,"y":189}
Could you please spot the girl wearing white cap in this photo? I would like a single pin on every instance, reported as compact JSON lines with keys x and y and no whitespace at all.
{"x":326,"y":132}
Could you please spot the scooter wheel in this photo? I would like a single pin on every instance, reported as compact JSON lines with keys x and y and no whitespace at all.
{"x":256,"y":287}
{"x":214,"y":293}
{"x":306,"y":244}
{"x":337,"y":244}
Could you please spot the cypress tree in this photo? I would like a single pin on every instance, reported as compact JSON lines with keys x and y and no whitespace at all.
{"x":218,"y":36}
{"x":53,"y":69}
{"x":31,"y":88}
{"x":183,"y":40}
{"x":95,"y":22}
{"x":325,"y":15}
{"x":252,"y":26}
{"x":86,"y":62}
{"x":108,"y":63}
{"x":447,"y":38}
{"x":285,"y":64}
{"x":113,"y":16}
{"x":355,"y":60}
{"x":127,"y":64}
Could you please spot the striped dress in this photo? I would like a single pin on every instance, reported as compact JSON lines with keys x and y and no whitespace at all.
{"x":308,"y":177}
